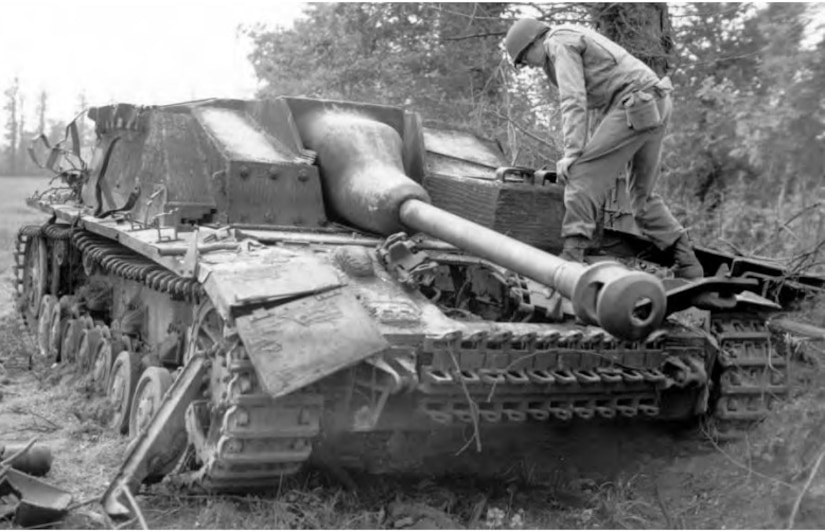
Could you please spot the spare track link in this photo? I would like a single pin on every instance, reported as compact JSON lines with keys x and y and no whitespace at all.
{"x":753,"y":374}
{"x":260,"y":439}
{"x":560,"y":375}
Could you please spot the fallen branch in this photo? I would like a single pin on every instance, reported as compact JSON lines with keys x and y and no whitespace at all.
{"x":473,"y":409}
{"x":662,"y":507}
{"x":84,"y":503}
{"x":798,"y":502}
{"x":20,"y":410}
{"x":803,"y":329}
{"x":135,"y":507}
{"x":784,"y":226}
{"x":744,"y":467}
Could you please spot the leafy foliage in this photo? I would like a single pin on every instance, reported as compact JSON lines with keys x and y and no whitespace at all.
{"x":746,"y":153}
{"x":744,"y":164}
{"x":443,"y":60}
{"x":438,"y":57}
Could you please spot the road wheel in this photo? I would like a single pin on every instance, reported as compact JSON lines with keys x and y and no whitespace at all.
{"x":102,"y":360}
{"x":123,"y":380}
{"x":89,"y":340}
{"x":56,"y":324}
{"x":71,"y":340}
{"x":151,"y":387}
{"x":44,"y":324}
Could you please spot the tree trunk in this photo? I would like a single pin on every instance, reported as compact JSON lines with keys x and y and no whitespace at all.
{"x":41,"y":112}
{"x":643,"y":29}
{"x":12,"y":125}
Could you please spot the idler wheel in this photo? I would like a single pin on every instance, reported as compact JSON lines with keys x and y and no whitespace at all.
{"x":44,"y":324}
{"x":627,"y":304}
{"x":153,"y":384}
{"x":102,"y":360}
{"x":123,"y":380}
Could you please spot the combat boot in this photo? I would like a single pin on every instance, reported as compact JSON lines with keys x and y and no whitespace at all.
{"x":574,"y":247}
{"x":685,"y":263}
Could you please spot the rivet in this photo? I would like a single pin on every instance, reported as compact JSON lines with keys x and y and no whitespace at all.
{"x":273,"y":172}
{"x":243,"y":172}
{"x":303,"y":175}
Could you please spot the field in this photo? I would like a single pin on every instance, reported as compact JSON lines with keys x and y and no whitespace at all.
{"x":627,"y":475}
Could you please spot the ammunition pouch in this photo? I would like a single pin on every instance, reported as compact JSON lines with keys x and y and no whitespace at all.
{"x":642,"y":111}
{"x":642,"y":108}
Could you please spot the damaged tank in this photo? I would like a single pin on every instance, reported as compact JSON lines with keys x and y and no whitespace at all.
{"x":246,"y":279}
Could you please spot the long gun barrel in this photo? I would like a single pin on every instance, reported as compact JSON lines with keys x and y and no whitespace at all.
{"x":364,"y":182}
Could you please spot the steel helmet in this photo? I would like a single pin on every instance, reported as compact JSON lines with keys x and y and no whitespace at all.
{"x":521,"y":35}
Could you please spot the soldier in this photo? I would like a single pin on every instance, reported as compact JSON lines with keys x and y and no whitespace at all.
{"x":592,"y":72}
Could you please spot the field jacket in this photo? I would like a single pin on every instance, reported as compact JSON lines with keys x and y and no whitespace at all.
{"x":591,"y":72}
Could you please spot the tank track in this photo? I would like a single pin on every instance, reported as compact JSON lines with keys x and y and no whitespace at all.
{"x":257,"y":439}
{"x":753,"y":374}
{"x":24,"y":236}
{"x":251,"y":440}
{"x":19,"y":255}
{"x":560,"y":375}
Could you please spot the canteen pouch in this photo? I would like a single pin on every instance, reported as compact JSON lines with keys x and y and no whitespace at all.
{"x":642,"y":111}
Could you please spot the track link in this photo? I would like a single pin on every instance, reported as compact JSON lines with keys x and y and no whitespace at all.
{"x":560,"y":375}
{"x":753,"y":375}
{"x":25,"y":238}
{"x":250,"y":440}
{"x":253,"y":440}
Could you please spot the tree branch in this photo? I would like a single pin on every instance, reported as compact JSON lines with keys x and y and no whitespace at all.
{"x":805,"y":488}
{"x":476,"y":35}
{"x":525,"y":131}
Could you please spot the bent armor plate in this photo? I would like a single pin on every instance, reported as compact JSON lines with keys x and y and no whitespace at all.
{"x":265,"y":277}
{"x":298,"y":343}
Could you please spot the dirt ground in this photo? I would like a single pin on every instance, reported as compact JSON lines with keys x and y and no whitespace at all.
{"x":628,"y":475}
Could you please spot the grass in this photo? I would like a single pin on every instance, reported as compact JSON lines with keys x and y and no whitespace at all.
{"x":630,"y":476}
{"x":14,"y":213}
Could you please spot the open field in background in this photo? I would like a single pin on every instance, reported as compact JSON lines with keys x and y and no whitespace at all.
{"x":13,"y":214}
{"x":583,"y":476}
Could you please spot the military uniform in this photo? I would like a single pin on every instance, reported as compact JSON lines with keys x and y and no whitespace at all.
{"x":594,"y":73}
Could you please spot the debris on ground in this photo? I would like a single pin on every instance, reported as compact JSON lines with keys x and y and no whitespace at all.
{"x":416,"y":515}
{"x":31,"y":502}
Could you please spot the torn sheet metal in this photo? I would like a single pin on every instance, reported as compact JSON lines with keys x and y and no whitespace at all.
{"x":265,"y":276}
{"x":298,"y":343}
{"x":37,"y":503}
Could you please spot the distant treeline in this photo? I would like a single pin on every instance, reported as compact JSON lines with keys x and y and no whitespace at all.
{"x":18,"y":133}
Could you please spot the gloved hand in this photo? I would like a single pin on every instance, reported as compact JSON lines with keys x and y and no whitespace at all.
{"x":563,"y":169}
